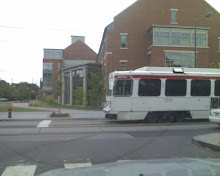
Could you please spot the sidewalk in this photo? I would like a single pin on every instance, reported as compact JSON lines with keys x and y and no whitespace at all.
{"x":211,"y":140}
{"x":25,"y":115}
{"x":74,"y":114}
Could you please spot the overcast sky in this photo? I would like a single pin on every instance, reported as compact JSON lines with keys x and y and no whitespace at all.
{"x":28,"y":26}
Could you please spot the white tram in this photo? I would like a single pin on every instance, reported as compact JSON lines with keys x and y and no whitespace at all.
{"x":162,"y":94}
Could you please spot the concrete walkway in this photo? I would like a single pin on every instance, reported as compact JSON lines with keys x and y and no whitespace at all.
{"x":74,"y":114}
{"x":211,"y":140}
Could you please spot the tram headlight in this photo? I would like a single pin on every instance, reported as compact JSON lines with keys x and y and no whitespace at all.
{"x":215,"y":103}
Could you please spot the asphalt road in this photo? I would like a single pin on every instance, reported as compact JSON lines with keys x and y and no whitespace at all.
{"x":37,"y":146}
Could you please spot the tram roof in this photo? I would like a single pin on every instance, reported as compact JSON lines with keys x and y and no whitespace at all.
{"x":171,"y":71}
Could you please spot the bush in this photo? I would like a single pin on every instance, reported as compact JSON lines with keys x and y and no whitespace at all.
{"x":43,"y":98}
{"x":79,"y":95}
{"x":97,"y":93}
{"x":34,"y":103}
{"x":59,"y":115}
{"x":44,"y":101}
{"x":50,"y":100}
{"x":38,"y":103}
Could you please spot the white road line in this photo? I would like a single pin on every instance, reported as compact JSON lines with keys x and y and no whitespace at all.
{"x":76,"y":165}
{"x":44,"y":124}
{"x":120,"y":161}
{"x":19,"y":170}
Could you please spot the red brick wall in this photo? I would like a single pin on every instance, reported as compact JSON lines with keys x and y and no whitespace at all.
{"x":79,"y":49}
{"x":139,"y":17}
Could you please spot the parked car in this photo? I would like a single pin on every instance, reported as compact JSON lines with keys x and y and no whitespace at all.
{"x":3,"y":99}
{"x":215,"y":116}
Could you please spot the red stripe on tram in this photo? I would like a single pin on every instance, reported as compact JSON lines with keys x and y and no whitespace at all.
{"x":167,"y":77}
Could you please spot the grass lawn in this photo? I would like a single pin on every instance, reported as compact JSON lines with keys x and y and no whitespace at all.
{"x":43,"y":104}
{"x":17,"y":109}
{"x":5,"y":105}
{"x":78,"y":107}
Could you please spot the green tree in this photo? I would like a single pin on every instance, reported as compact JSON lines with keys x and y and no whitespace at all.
{"x":5,"y":91}
{"x":50,"y":100}
{"x":33,"y":89}
{"x":13,"y":92}
{"x":97,"y":91}
{"x":79,"y":95}
{"x":23,"y":92}
{"x":58,"y":90}
{"x":212,"y":65}
{"x":58,"y":87}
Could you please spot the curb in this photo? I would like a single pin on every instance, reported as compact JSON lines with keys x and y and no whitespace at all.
{"x":50,"y":118}
{"x":205,"y":144}
{"x":26,"y":119}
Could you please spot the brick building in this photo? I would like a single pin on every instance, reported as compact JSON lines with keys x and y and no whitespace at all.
{"x":77,"y":76}
{"x":52,"y":61}
{"x":60,"y":60}
{"x":161,"y":33}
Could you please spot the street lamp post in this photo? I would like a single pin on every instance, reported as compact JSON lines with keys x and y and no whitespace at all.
{"x":196,"y":21}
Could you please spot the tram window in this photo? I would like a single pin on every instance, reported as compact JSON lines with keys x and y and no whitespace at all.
{"x":200,"y":87}
{"x":217,"y":88}
{"x":175,"y":87}
{"x":149,"y":87}
{"x":123,"y":88}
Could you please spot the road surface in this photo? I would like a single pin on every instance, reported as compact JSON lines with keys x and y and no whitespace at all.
{"x":36,"y":146}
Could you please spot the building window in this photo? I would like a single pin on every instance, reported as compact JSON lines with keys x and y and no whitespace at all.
{"x":123,"y":65}
{"x":200,"y":87}
{"x":79,"y":58}
{"x":47,"y":75}
{"x":67,"y":88}
{"x":179,"y":59}
{"x":77,"y":81}
{"x":81,"y":73}
{"x":174,"y":16}
{"x":180,"y":38}
{"x":123,"y":41}
{"x":169,"y":36}
{"x":162,"y":37}
{"x":149,"y":87}
{"x":175,"y":87}
{"x":53,"y":54}
{"x":201,"y":39}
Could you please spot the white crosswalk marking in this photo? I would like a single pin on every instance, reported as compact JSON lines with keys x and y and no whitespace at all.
{"x":44,"y":124}
{"x":29,"y":170}
{"x":120,"y":161}
{"x":76,"y":165}
{"x":19,"y":170}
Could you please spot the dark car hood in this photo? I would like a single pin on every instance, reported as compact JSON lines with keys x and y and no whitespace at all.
{"x":162,"y":167}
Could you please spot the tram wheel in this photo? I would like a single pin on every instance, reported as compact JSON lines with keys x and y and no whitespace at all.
{"x":180,"y":117}
{"x":151,"y":118}
{"x":168,"y":117}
